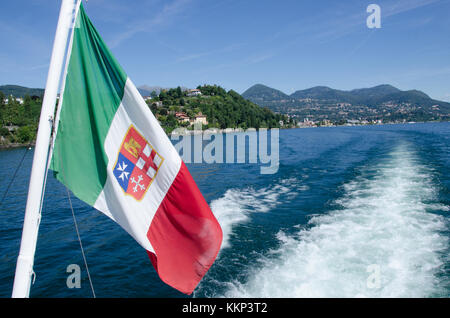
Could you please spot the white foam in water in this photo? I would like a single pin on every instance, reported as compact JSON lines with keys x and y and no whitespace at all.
{"x":236,"y":204}
{"x":382,"y":243}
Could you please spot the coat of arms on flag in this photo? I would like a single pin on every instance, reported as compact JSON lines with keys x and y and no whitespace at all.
{"x":137,"y":164}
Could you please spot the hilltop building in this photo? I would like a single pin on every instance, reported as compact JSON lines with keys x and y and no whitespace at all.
{"x":193,"y":92}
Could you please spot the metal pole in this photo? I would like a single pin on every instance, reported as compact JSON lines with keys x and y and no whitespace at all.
{"x":25,"y":260}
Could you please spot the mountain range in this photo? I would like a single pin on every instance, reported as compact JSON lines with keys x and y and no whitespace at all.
{"x":265,"y":96}
{"x":384,"y":102}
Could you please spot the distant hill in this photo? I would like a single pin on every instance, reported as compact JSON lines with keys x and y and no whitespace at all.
{"x":146,"y":90}
{"x":327,"y":93}
{"x":322,"y":102}
{"x":323,"y":93}
{"x":374,"y":92}
{"x":263,"y":93}
{"x":20,"y":91}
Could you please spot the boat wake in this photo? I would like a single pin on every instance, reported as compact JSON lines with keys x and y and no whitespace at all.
{"x":384,"y":241}
{"x":235,"y":206}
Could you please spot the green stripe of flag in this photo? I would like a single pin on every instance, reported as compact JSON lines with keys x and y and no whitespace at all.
{"x":93,"y":92}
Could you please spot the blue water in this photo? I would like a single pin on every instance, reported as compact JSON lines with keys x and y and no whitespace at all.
{"x":352,"y":212}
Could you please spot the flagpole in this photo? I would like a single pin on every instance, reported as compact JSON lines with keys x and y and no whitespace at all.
{"x":25,"y":260}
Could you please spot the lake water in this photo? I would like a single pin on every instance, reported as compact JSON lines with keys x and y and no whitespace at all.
{"x":351,"y":212}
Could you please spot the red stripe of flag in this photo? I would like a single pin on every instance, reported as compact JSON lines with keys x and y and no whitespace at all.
{"x":185,"y":235}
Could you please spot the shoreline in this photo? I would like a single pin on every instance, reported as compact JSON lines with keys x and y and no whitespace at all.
{"x":369,"y":125}
{"x":16,"y":145}
{"x":213,"y":131}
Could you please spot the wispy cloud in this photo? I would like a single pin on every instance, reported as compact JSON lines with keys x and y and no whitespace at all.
{"x":260,"y":58}
{"x":164,"y":16}
{"x":331,"y":25}
{"x":424,"y":73}
{"x":345,"y":24}
{"x":37,"y":67}
{"x":24,"y":37}
{"x":239,"y":63}
{"x":398,"y":7}
{"x":195,"y":56}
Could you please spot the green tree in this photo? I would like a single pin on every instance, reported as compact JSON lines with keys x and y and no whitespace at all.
{"x":4,"y":131}
{"x":163,"y":95}
{"x":25,"y":134}
{"x":2,"y":99}
{"x":2,"y":107}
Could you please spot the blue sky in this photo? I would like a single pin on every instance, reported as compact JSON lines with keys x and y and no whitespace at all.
{"x":288,"y":45}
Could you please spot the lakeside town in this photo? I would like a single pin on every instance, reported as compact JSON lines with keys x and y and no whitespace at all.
{"x":212,"y":108}
{"x":316,"y":113}
{"x":325,"y":106}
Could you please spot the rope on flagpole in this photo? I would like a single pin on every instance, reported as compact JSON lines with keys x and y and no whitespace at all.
{"x":15,"y":173}
{"x":81,"y":244}
{"x":76,"y":229}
